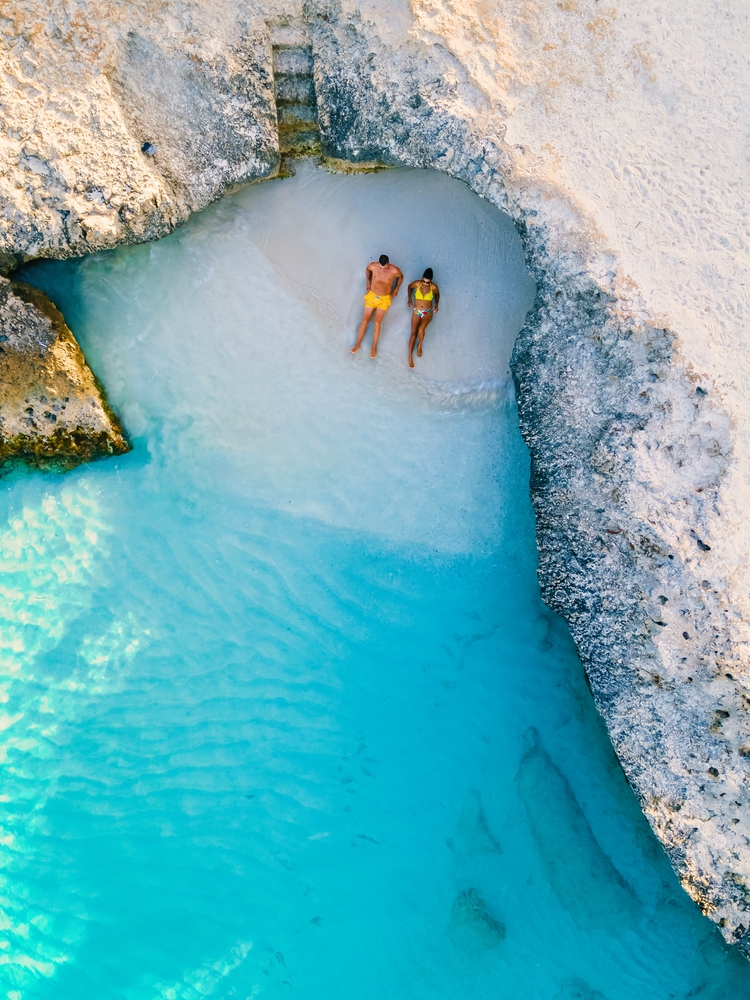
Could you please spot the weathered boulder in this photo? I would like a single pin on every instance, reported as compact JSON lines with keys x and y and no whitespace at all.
{"x":53,"y":413}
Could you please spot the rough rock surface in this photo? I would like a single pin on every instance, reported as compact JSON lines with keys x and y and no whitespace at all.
{"x":614,"y":136}
{"x":52,"y":412}
{"x":83,"y":89}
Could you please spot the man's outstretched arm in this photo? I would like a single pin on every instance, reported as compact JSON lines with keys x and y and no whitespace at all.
{"x":399,"y":279}
{"x":368,"y":276}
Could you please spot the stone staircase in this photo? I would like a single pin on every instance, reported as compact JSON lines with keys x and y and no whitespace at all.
{"x":296,"y":106}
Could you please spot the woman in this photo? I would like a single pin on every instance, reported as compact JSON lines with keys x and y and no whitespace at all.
{"x":426,"y":299}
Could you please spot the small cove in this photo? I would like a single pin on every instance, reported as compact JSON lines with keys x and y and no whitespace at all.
{"x":285,"y":712}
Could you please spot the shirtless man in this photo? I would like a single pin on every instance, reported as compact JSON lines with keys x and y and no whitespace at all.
{"x":381,"y":275}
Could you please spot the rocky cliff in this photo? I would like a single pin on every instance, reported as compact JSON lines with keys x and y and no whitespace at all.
{"x":614,"y":138}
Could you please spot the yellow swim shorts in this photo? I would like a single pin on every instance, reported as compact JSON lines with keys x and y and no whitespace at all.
{"x":373,"y":301}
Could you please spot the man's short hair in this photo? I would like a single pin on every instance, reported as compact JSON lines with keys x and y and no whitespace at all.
{"x":383,"y":259}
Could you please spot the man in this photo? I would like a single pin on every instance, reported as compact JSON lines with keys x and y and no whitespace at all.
{"x":381,"y":275}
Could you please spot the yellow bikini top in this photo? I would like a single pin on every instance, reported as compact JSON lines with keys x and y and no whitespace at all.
{"x":418,"y":293}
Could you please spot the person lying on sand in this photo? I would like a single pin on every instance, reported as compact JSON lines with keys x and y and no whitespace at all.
{"x":381,"y":276}
{"x":426,"y":300}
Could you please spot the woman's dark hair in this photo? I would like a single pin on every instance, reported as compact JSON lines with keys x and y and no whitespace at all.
{"x":383,"y":259}
{"x":427,"y":274}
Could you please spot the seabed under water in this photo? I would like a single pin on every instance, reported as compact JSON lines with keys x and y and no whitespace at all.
{"x":284,"y":712}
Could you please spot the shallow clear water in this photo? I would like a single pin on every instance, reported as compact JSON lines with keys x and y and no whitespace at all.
{"x":283,"y":710}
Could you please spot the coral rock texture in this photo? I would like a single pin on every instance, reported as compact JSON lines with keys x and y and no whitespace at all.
{"x":614,"y":135}
{"x":52,"y":412}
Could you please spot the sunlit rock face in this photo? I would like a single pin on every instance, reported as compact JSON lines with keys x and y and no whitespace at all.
{"x":52,"y":412}
{"x":83,"y":94}
{"x":612,"y":137}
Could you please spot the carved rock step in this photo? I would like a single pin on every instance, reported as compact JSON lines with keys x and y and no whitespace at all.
{"x":296,"y":105}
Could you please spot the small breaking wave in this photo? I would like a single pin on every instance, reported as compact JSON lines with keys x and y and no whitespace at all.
{"x":470,"y":394}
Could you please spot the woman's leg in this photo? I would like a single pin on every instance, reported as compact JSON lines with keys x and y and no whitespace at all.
{"x":363,"y":328}
{"x":424,"y":323}
{"x":413,"y":338}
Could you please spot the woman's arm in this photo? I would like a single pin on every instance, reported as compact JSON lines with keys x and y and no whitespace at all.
{"x":410,"y":289}
{"x":436,"y":293}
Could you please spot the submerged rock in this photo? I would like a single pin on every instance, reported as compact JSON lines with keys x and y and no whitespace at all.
{"x":472,"y":927}
{"x":473,"y":835}
{"x":53,"y":413}
{"x":582,"y":876}
{"x":577,"y":989}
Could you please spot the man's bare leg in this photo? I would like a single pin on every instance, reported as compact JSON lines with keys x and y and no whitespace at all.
{"x":379,"y":314}
{"x":362,"y":329}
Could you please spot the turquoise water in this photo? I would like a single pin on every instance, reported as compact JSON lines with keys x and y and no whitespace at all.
{"x":283,"y":711}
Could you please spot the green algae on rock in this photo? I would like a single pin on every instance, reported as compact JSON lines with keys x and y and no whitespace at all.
{"x":53,"y":412}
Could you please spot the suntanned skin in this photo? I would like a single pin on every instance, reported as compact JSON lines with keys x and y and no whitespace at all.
{"x":380,"y":281}
{"x":420,"y":323}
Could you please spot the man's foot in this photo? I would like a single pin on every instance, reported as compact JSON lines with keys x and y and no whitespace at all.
{"x":373,"y":353}
{"x":355,"y":349}
{"x":411,"y":361}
